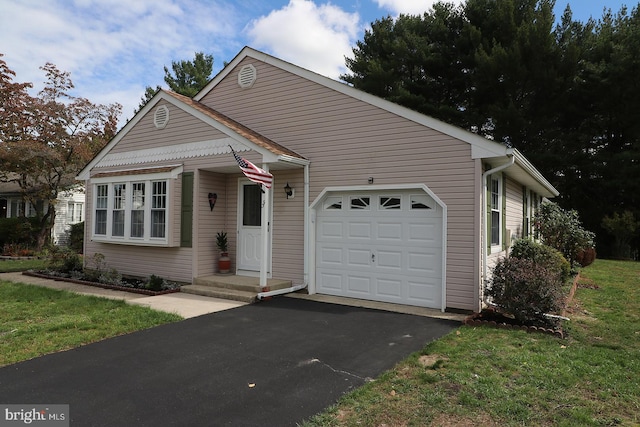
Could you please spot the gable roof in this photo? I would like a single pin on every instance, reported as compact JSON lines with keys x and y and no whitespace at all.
{"x":270,"y":150}
{"x":481,"y":148}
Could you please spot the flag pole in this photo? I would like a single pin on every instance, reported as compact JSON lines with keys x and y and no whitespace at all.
{"x":266,"y":214}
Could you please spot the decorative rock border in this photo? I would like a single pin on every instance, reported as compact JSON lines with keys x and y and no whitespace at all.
{"x":475,"y":319}
{"x":101,"y":285}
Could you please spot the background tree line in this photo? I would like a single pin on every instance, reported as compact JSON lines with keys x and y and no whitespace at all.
{"x":565,"y":93}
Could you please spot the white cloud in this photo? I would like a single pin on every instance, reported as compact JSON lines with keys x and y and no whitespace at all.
{"x":316,"y":37}
{"x":411,"y":7}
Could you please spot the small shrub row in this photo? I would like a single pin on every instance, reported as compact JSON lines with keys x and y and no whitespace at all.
{"x":64,"y":262}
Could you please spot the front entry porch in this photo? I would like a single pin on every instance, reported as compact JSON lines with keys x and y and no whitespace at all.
{"x":232,"y":287}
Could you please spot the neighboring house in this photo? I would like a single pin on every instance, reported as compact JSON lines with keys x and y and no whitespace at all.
{"x":69,"y":209}
{"x":387,"y":204}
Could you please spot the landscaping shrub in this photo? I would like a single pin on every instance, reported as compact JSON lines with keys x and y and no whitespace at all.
{"x":155,"y":283}
{"x":64,"y":260}
{"x":562,"y":230}
{"x":542,"y":254}
{"x":18,"y":230}
{"x":76,"y":237}
{"x":526,"y":289}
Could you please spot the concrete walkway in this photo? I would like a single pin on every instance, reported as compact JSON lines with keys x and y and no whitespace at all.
{"x":185,"y":305}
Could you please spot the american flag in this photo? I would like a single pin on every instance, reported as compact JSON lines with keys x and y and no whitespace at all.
{"x":251,"y":171}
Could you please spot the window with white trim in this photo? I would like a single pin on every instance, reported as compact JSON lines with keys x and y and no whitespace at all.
{"x":496,"y":210}
{"x":133,"y":211}
{"x":74,"y":212}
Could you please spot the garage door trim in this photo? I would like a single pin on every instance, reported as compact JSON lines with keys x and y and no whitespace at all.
{"x":317,"y":204}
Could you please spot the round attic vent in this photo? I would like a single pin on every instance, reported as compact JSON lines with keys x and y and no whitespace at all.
{"x":161,"y":117}
{"x":247,"y":76}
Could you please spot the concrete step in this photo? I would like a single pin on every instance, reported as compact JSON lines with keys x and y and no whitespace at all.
{"x":240,"y":283}
{"x":223,"y":293}
{"x":232,"y":287}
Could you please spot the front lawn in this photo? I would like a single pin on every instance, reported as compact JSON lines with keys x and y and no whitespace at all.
{"x":36,"y":320}
{"x":11,"y":265}
{"x":478,"y":376}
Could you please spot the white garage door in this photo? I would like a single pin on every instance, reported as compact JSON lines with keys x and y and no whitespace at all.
{"x":381,"y":246}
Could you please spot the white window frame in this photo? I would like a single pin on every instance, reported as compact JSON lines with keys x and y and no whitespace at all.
{"x":129,"y":181}
{"x":75,"y":212}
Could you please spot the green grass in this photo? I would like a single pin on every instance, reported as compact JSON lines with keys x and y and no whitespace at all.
{"x":36,"y":320}
{"x":7,"y":266}
{"x":493,"y":377}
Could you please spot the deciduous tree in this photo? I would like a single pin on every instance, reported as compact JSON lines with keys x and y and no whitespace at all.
{"x":45,"y":140}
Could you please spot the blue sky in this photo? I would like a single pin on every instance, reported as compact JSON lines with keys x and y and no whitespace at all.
{"x":115,"y":48}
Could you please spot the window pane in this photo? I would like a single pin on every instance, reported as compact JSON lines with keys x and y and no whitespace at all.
{"x":137,"y":223}
{"x":360,"y":203}
{"x":389,"y":202}
{"x":158,"y":223}
{"x":101,"y":222}
{"x":118,"y":223}
{"x":252,"y":205}
{"x":495,"y":228}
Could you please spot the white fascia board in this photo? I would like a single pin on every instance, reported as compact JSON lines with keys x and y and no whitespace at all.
{"x":524,"y":163}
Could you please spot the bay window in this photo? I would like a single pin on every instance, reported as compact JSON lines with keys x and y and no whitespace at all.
{"x":132,"y":209}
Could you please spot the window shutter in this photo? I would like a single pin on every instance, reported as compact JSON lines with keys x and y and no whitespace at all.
{"x":525,"y":223}
{"x":503,"y":218}
{"x":488,"y":212}
{"x":186,"y":211}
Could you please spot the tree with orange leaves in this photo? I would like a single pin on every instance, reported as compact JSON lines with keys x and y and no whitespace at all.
{"x":45,"y":140}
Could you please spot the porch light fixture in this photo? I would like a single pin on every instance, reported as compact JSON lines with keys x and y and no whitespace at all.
{"x":288,"y":190}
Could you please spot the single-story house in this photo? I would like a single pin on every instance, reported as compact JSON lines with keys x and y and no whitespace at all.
{"x":381,"y":203}
{"x":69,"y":208}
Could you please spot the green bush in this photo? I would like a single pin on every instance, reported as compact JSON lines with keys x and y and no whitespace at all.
{"x":76,"y":237}
{"x":18,"y":230}
{"x":562,"y":230}
{"x":155,"y":283}
{"x":542,"y":254}
{"x":525,"y":289}
{"x":64,"y":260}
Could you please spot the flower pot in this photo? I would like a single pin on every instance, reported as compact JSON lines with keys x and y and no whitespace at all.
{"x":224,"y":263}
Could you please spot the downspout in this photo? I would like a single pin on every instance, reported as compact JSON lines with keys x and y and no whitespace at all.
{"x":483,"y":227}
{"x":295,"y":288}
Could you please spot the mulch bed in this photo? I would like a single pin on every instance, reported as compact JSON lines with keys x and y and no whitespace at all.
{"x":102,"y":285}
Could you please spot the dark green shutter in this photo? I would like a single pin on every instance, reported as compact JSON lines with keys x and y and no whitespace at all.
{"x":186,"y":210}
{"x":503,"y":218}
{"x":488,"y":218}
{"x":525,"y":224}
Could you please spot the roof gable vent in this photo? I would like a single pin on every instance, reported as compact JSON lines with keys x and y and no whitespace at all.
{"x":247,"y":76}
{"x":161,"y":117}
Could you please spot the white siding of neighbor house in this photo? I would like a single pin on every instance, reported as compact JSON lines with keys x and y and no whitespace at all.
{"x":347,"y":141}
{"x":63,"y":220}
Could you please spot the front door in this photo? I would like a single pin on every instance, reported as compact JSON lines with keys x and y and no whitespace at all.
{"x":249,"y":230}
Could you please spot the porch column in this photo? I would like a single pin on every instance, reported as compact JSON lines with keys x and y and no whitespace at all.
{"x":265,"y":228}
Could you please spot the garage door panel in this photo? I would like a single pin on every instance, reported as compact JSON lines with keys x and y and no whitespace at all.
{"x":389,"y":289}
{"x":331,"y":256}
{"x":331,"y":229}
{"x":358,"y":257}
{"x":359,"y":230}
{"x":387,"y":252}
{"x":390,"y":232}
{"x":389,"y":259}
{"x":331,"y":282}
{"x":359,"y":286}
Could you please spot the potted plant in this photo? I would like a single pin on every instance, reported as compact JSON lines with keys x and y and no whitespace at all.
{"x":224,"y":262}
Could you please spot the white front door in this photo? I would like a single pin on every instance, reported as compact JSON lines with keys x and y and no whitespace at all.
{"x":249,"y":227}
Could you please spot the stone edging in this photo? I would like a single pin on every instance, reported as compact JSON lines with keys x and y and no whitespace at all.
{"x":102,"y":285}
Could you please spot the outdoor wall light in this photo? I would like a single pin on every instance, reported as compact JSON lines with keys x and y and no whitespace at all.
{"x":288,"y":190}
{"x":213,"y":197}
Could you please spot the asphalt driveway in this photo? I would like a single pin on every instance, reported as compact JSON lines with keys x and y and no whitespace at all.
{"x":275,"y":363}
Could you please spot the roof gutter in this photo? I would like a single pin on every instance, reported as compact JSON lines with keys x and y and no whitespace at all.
{"x":511,"y":154}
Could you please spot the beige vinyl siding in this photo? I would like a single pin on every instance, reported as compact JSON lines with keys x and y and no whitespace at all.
{"x":288,"y":226}
{"x":182,"y":128}
{"x":207,"y":222}
{"x":348,"y":141}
